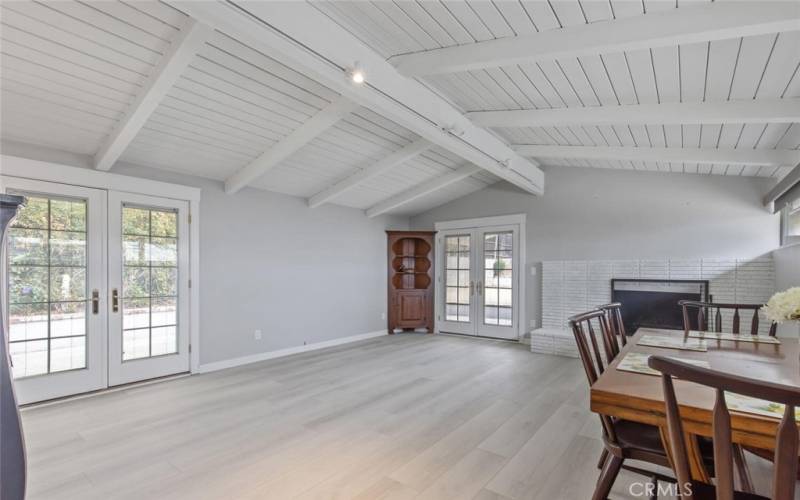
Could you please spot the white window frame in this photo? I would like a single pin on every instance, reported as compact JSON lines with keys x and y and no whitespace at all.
{"x":791,"y":208}
{"x":15,"y":166}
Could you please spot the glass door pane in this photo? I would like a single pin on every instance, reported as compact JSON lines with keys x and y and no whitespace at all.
{"x":47,"y":293}
{"x":498,"y":284}
{"x":54,"y":278}
{"x":149,"y":283}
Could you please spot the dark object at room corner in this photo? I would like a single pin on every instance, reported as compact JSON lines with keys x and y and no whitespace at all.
{"x":410,"y":280}
{"x":12,"y":445}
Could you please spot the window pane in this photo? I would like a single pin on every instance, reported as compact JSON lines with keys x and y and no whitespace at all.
{"x":164,"y":341}
{"x":135,"y":221}
{"x":491,"y":296}
{"x":451,"y":312}
{"x":67,"y":248}
{"x":463,"y":313}
{"x":505,"y":316}
{"x":29,"y":358}
{"x":452,"y":295}
{"x":451,"y":261}
{"x":27,"y":284}
{"x":793,"y":223}
{"x":27,"y":321}
{"x":135,"y":344}
{"x":135,"y":313}
{"x":463,"y":278}
{"x":452,"y":278}
{"x":67,"y":319}
{"x":164,"y":281}
{"x":68,"y":215}
{"x":136,"y":282}
{"x":67,"y":283}
{"x":505,"y":297}
{"x":463,"y":260}
{"x":135,"y":250}
{"x":67,"y":354}
{"x":165,"y":311}
{"x":490,"y":315}
{"x":27,"y":246}
{"x":164,"y":251}
{"x":463,"y":295}
{"x":164,"y":224}
{"x":34,"y":214}
{"x":451,"y":244}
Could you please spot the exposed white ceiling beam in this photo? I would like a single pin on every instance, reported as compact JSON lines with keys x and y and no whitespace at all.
{"x":300,"y":36}
{"x":693,"y":155}
{"x":421,"y":190}
{"x":394,"y":159}
{"x":689,"y":24}
{"x":687,"y":113}
{"x":302,"y":135}
{"x":189,"y":40}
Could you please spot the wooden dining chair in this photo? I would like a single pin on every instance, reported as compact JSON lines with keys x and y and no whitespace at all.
{"x":622,"y":439}
{"x":787,"y":439}
{"x":705,"y":310}
{"x":616,"y":327}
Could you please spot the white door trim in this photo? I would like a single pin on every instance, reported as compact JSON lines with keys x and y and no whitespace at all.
{"x":25,"y":168}
{"x":499,"y":220}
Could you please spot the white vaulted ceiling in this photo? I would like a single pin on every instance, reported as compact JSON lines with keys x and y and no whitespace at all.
{"x":73,"y":73}
{"x":757,"y":67}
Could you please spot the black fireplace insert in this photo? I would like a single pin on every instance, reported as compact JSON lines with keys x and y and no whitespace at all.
{"x":653,"y":303}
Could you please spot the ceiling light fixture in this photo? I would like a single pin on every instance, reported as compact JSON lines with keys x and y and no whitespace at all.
{"x":356,"y":74}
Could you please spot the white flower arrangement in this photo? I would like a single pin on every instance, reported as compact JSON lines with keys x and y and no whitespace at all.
{"x":784,"y":306}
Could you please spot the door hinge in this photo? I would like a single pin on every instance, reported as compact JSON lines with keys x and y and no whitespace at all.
{"x":190,"y":283}
{"x":190,"y":348}
{"x":190,"y":218}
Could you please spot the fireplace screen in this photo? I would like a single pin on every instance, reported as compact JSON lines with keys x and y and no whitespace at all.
{"x":654,"y":303}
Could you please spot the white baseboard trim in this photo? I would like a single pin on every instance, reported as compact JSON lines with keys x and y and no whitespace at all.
{"x":263,"y":356}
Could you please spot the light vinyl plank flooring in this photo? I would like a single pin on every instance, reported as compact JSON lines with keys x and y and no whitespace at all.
{"x":398,"y":417}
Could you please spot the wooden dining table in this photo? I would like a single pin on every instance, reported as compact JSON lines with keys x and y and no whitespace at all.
{"x":639,"y":397}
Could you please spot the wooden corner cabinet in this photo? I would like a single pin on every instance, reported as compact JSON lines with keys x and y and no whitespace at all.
{"x":410,"y":280}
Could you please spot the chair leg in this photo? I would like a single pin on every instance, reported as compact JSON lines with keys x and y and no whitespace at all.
{"x":603,"y":457}
{"x":742,"y":470}
{"x":607,"y":477}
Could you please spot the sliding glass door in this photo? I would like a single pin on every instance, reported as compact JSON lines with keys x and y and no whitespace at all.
{"x":479,"y":282}
{"x":55,"y":290}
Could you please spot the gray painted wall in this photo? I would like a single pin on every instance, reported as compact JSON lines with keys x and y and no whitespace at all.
{"x":269,"y":262}
{"x":787,"y":275}
{"x":611,"y":214}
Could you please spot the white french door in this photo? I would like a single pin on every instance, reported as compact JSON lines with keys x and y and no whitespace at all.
{"x":479,"y":282}
{"x":148,"y":280}
{"x":55,"y":276}
{"x":96,"y":288}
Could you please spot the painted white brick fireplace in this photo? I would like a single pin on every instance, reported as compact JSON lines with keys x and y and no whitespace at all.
{"x":571,"y":287}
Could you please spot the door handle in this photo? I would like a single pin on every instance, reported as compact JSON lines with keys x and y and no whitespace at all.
{"x":114,"y":300}
{"x":480,"y":288}
{"x":95,"y":301}
{"x":471,"y":288}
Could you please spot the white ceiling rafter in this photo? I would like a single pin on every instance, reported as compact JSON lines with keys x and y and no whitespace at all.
{"x":695,"y":23}
{"x":421,"y":190}
{"x":398,"y":157}
{"x":188,"y":41}
{"x":314,"y":126}
{"x":785,"y":110}
{"x":300,"y":36}
{"x":694,"y":155}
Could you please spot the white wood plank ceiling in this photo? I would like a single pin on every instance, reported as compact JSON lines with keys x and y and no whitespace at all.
{"x":74,"y":73}
{"x":737,"y":68}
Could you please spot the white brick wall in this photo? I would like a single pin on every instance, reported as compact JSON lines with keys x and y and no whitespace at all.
{"x":571,"y":287}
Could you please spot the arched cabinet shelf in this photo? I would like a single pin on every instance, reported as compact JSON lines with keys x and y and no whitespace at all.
{"x":410,"y":280}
